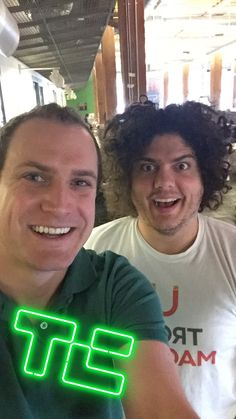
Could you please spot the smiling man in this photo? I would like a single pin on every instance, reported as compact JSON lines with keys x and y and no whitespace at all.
{"x":48,"y":189}
{"x":169,"y":211}
{"x":50,"y":173}
{"x":162,"y":168}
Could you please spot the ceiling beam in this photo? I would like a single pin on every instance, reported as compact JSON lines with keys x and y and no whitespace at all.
{"x":51,"y":50}
{"x":63,"y":41}
{"x":49,"y":55}
{"x":61,"y":19}
{"x":33,"y":6}
{"x":79,"y":33}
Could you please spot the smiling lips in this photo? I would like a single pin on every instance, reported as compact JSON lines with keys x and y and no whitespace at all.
{"x":165,"y":203}
{"x":54,"y":231}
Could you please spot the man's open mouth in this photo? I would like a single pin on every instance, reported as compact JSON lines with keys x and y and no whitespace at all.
{"x":53,"y":231}
{"x":165,"y":203}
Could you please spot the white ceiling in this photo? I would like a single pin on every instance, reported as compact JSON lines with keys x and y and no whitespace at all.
{"x":185,"y":30}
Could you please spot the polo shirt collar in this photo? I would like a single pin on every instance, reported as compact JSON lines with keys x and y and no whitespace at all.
{"x":79,"y":276}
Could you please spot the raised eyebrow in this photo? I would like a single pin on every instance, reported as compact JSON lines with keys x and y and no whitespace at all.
{"x":147,"y":159}
{"x":183,"y":157}
{"x":176,"y":160}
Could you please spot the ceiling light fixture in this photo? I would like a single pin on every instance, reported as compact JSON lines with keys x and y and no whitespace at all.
{"x":57,"y":78}
{"x":28,"y":14}
{"x":65,"y":9}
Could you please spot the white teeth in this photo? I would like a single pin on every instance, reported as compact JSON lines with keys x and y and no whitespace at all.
{"x":51,"y":230}
{"x":166,"y":200}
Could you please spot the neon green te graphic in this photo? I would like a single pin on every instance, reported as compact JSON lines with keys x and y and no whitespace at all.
{"x":85,"y":365}
{"x":89,"y":352}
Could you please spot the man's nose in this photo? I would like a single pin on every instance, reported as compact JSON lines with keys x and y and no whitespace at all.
{"x":57,"y":199}
{"x":164,"y":178}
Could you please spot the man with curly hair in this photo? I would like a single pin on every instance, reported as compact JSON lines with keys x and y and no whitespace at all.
{"x":162,"y":168}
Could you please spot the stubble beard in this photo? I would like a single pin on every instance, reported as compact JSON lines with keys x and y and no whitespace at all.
{"x":171,"y":230}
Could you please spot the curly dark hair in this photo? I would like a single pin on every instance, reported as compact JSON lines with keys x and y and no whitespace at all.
{"x":52,"y":112}
{"x":128,"y":135}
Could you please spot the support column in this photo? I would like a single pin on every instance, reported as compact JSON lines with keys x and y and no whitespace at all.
{"x":109,"y":69}
{"x":166,"y":85}
{"x":132,"y":47}
{"x":100,"y":89}
{"x":185,"y":81}
{"x":216,"y":71}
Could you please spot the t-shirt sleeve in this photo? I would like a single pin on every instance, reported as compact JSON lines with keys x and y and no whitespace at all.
{"x":134,"y":304}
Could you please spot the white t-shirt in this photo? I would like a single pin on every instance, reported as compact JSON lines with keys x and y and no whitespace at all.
{"x":197,"y":289}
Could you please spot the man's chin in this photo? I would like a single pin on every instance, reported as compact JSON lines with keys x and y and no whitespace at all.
{"x":53,"y":264}
{"x":168,"y":230}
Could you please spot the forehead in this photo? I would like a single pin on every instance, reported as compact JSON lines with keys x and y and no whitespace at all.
{"x":43,"y":139}
{"x":169,"y":144}
{"x":39,"y":128}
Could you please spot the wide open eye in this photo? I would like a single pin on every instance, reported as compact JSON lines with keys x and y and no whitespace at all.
{"x":147,"y":167}
{"x":183,"y":165}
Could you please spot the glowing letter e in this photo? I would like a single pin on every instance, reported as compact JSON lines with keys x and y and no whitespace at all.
{"x":104,"y":344}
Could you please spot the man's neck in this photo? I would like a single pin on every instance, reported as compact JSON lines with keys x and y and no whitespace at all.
{"x":30,"y":288}
{"x":169,"y":244}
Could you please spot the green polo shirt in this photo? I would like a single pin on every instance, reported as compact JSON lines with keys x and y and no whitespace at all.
{"x":98,"y":290}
